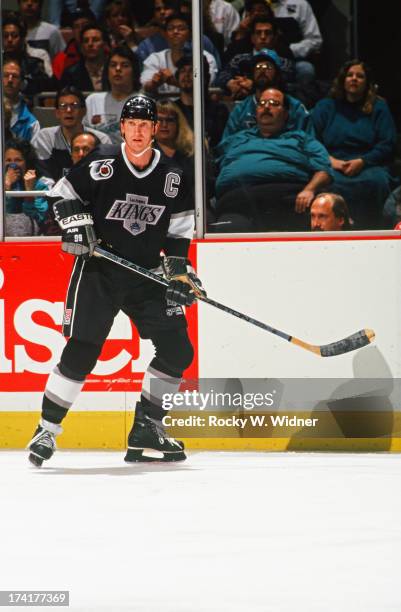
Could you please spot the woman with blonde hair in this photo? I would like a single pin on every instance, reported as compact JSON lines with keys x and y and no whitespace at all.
{"x":356,"y":127}
{"x":174,"y":137}
{"x":176,"y":140}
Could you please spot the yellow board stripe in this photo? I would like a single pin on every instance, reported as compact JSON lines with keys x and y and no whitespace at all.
{"x":108,"y":430}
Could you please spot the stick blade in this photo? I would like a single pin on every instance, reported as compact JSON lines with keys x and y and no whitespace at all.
{"x":351,"y":343}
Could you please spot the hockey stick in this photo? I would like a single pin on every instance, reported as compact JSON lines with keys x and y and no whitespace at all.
{"x":351,"y":343}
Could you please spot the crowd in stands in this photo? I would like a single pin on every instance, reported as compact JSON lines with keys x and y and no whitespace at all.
{"x":285,"y":149}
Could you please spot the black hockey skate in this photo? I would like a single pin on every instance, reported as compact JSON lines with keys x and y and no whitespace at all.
{"x":43,"y":443}
{"x":149,"y":441}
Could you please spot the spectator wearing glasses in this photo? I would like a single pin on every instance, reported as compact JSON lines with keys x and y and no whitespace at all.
{"x":266,"y":72}
{"x":23,"y":123}
{"x":158,"y":41}
{"x":88,"y":73}
{"x":269,"y":175}
{"x":236,"y":78}
{"x":176,"y":139}
{"x":103,"y":109}
{"x":174,"y":136}
{"x":158,"y":74}
{"x":53,"y":144}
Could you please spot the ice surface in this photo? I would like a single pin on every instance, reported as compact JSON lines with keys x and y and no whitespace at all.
{"x":222,"y":532}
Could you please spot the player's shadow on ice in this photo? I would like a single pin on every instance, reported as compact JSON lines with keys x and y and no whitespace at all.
{"x":139,"y":469}
{"x":361,"y":407}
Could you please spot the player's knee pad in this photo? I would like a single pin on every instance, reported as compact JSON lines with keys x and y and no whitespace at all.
{"x":174,"y":350}
{"x":79,"y":358}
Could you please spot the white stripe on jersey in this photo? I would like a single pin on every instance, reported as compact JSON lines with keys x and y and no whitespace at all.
{"x":182,"y":225}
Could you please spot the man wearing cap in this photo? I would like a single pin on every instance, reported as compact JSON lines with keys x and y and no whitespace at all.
{"x":266,"y":72}
{"x":236,"y":78}
{"x":136,"y":203}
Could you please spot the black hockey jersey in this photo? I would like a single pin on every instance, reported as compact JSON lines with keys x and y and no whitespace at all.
{"x":136,"y":213}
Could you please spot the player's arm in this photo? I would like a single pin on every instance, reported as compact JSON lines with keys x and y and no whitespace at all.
{"x":72,"y":211}
{"x":184,"y":285}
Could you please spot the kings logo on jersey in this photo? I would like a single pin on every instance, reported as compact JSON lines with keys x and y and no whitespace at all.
{"x":135,"y":213}
{"x":101,"y":169}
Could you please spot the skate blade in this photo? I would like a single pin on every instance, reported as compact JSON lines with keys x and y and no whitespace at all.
{"x":147,"y":455}
{"x":35,"y":460}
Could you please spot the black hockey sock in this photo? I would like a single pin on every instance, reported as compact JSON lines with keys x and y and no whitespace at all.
{"x":52,"y":412}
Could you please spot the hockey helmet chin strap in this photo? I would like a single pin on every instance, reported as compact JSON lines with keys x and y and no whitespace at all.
{"x":144,"y":151}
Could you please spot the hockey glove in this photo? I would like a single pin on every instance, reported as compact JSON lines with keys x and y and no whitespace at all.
{"x":184,"y":285}
{"x":78,"y":235}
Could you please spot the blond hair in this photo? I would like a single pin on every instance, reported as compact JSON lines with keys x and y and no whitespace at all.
{"x":184,"y":141}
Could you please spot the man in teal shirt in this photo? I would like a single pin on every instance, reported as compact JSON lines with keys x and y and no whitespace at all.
{"x":277,"y":163}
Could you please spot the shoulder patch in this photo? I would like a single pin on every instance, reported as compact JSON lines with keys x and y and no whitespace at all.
{"x":101,"y":169}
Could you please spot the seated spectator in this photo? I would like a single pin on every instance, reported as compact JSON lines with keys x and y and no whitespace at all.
{"x":157,"y":41}
{"x":174,"y":136}
{"x":176,"y":139}
{"x":120,"y":24}
{"x":235,"y":78}
{"x":216,"y":113}
{"x":213,"y":41}
{"x":224,"y":16}
{"x":159,"y":68}
{"x":72,"y":53}
{"x":266,"y":72}
{"x":357,"y":129}
{"x":41,"y":34}
{"x":53,"y":144}
{"x":82,"y":144}
{"x":24,"y":216}
{"x":35,"y":63}
{"x":56,"y":9}
{"x":300,"y":28}
{"x":329,"y":213}
{"x":253,"y":8}
{"x":263,"y":34}
{"x":103,"y":110}
{"x":269,"y":175}
{"x":157,"y":22}
{"x":88,"y":73}
{"x":23,"y":123}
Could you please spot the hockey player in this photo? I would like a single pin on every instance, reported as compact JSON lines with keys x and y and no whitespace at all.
{"x":136,"y":203}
